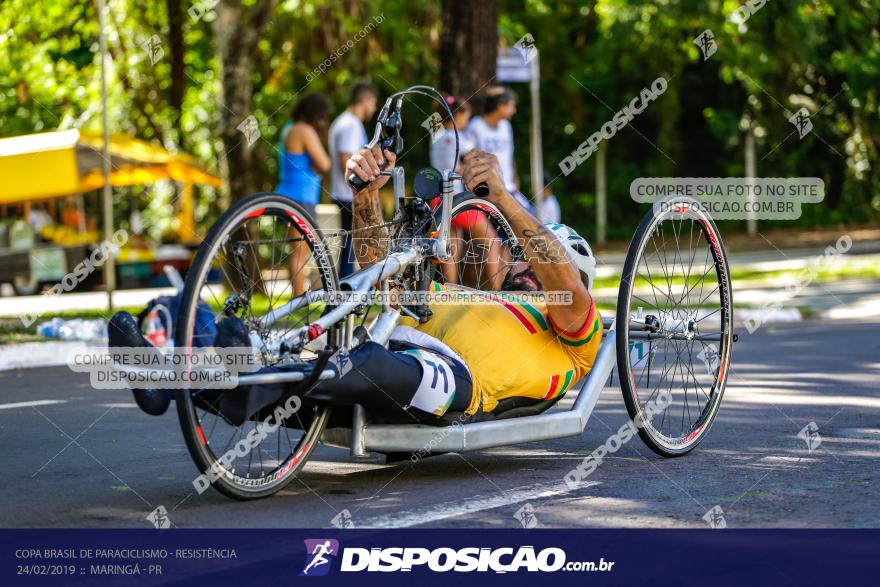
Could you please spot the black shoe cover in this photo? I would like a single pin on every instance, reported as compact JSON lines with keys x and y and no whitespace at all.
{"x":123,"y":331}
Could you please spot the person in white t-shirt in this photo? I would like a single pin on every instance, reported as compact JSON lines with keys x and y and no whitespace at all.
{"x":348,"y":136}
{"x":472,"y":226}
{"x":443,"y":138}
{"x":493,"y":133}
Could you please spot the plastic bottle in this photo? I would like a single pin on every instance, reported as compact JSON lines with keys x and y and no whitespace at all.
{"x":73,"y":329}
{"x":50,"y":328}
{"x":154,"y":331}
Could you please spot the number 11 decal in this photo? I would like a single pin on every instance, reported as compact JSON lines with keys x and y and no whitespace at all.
{"x":437,"y":388}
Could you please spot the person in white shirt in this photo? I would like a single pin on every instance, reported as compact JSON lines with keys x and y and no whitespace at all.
{"x":443,"y":138}
{"x":493,"y":133}
{"x":348,"y":136}
{"x":472,"y":229}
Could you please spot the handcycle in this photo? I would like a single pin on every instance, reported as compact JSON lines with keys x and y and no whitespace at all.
{"x":671,"y":334}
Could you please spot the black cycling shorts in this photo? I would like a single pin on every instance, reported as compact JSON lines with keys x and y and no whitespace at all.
{"x":385,"y":381}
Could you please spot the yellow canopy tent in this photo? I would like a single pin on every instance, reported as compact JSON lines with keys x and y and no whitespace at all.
{"x":56,"y":164}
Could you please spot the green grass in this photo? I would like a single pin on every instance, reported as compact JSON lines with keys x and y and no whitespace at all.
{"x":824,"y":272}
{"x":808,"y":312}
{"x":13,"y":330}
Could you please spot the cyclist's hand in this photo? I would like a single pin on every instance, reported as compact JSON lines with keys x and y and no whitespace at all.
{"x":482,"y":167}
{"x":366,"y":163}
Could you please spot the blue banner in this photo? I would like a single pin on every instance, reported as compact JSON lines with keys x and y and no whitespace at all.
{"x":466,"y":556}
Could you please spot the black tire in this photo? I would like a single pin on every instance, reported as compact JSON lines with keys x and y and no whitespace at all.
{"x":252,"y":207}
{"x":682,"y":326}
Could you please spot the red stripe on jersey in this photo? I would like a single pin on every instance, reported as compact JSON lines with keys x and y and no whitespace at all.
{"x":554,"y":383}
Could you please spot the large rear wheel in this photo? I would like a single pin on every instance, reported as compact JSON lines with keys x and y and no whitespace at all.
{"x":265,"y":252}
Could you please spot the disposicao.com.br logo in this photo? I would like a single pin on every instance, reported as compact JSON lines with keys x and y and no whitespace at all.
{"x":441,"y":560}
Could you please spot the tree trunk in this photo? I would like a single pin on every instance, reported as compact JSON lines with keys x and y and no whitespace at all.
{"x":176,"y":48}
{"x":237,"y":31}
{"x":468,"y":46}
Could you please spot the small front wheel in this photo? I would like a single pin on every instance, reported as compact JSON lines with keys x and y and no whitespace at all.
{"x":674,"y":332}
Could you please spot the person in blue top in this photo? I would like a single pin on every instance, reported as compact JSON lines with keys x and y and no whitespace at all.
{"x":302,"y":159}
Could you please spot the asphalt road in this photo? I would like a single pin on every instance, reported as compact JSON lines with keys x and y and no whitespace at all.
{"x":96,"y":461}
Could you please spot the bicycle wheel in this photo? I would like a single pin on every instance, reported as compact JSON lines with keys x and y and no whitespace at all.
{"x":259,"y":246}
{"x":483,"y":245}
{"x":674,"y":334}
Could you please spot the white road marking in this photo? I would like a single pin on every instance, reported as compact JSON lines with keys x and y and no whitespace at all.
{"x":476,"y":503}
{"x":42,"y":402}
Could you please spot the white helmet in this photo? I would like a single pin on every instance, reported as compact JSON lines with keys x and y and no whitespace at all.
{"x":578,"y":251}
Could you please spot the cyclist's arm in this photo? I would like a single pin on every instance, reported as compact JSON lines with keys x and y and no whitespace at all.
{"x":369,"y":245}
{"x":547,"y":256}
{"x":550,"y":262}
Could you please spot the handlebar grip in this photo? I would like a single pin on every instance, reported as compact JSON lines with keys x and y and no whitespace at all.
{"x":481,"y":190}
{"x":357,"y":184}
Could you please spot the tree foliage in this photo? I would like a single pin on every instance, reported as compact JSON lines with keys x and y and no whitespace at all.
{"x":596,"y":55}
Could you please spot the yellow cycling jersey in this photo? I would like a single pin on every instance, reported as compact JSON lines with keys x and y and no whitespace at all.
{"x":511,"y":346}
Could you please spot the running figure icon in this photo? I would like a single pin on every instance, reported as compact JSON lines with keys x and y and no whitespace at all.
{"x":319,"y":552}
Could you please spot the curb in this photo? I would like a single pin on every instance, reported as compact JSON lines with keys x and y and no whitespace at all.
{"x":52,"y":353}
